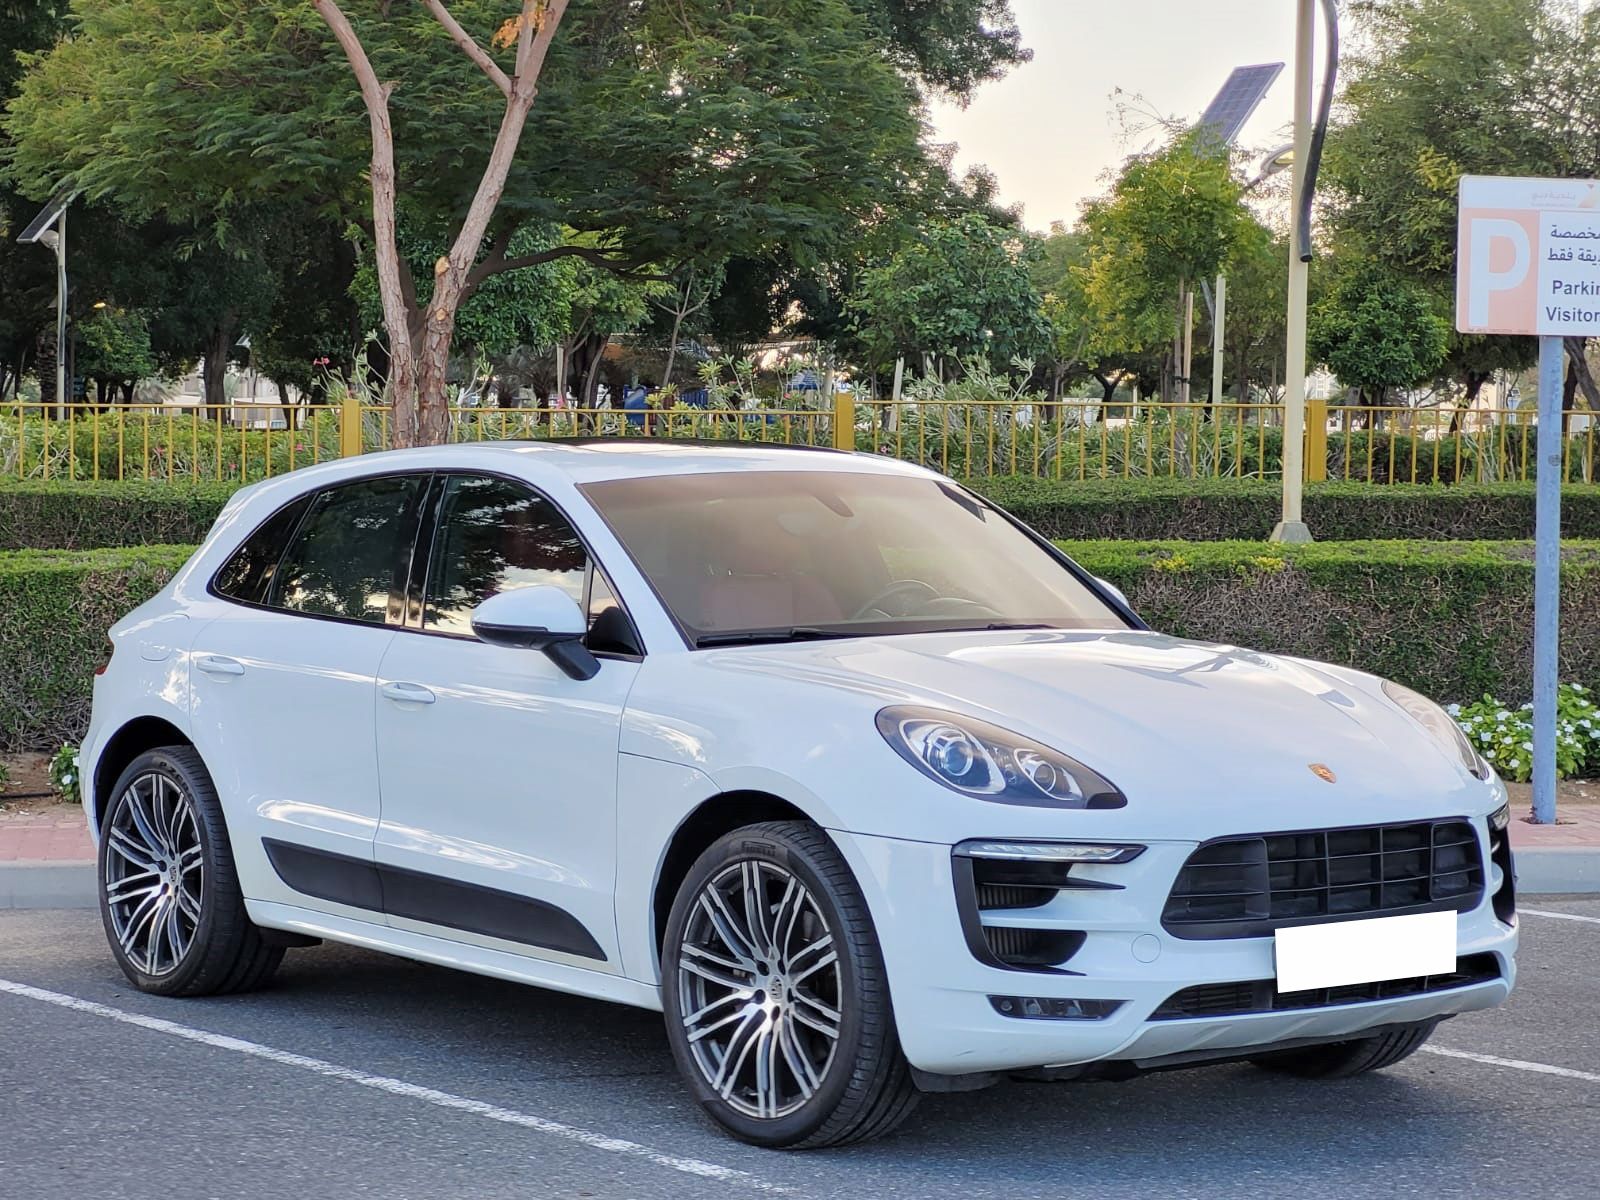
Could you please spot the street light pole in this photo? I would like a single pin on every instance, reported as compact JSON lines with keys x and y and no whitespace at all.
{"x":1292,"y":528}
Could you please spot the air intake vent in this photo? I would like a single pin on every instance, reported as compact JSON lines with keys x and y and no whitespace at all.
{"x":1262,"y":996}
{"x":1032,"y":947}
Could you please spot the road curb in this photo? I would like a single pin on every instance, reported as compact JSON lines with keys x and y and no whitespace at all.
{"x":1555,"y":870}
{"x":47,"y":885}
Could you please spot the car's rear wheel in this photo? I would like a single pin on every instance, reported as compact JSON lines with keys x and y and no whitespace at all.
{"x":169,"y":896}
{"x":1339,"y":1060}
{"x":776,"y":999}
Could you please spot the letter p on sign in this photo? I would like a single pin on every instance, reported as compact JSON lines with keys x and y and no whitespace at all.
{"x":1494,"y":242}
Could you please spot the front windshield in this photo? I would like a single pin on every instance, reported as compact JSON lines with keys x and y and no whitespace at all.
{"x":777,"y":555}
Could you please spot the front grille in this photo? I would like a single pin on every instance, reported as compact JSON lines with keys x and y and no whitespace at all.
{"x":1249,"y":886}
{"x":1262,"y":996}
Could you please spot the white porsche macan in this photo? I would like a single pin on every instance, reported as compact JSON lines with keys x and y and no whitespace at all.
{"x":863,"y":783}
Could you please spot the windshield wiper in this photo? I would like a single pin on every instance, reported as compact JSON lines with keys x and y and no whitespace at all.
{"x":754,"y":637}
{"x":1018,"y":625}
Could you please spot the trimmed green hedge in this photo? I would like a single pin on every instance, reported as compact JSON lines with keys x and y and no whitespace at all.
{"x":81,"y":516}
{"x":85,"y":516}
{"x":1218,"y":510}
{"x":55,"y":608}
{"x":1452,"y":619}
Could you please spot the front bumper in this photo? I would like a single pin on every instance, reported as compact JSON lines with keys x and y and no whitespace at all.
{"x":942,"y":993}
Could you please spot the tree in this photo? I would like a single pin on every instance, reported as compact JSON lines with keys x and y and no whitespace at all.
{"x":114,"y":350}
{"x":1376,"y":331}
{"x":27,"y":273}
{"x":1171,"y":218}
{"x":1439,"y":89}
{"x":960,"y":290}
{"x":672,"y":134}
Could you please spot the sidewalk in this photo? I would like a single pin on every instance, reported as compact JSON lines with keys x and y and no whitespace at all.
{"x":47,"y":859}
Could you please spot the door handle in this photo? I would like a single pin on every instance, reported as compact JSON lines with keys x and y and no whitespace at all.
{"x":408,"y":693}
{"x":216,"y":664}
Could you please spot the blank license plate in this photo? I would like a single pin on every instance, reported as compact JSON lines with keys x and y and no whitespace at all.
{"x":1319,"y":956}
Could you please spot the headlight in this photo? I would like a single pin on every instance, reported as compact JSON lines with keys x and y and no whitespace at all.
{"x":1439,"y":723}
{"x":990,"y":763}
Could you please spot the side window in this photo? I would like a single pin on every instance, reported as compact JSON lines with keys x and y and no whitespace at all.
{"x":494,"y":536}
{"x":610,"y":630}
{"x":353,"y":550}
{"x":247,"y":575}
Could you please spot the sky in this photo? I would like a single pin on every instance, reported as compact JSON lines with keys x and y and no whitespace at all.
{"x":1047,"y":129}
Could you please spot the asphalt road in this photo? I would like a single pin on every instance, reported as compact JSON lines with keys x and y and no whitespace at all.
{"x":358,"y":1075}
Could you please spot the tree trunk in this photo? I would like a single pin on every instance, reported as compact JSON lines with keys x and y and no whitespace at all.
{"x":214,"y":370}
{"x":1577,"y":348}
{"x":1475,"y":381}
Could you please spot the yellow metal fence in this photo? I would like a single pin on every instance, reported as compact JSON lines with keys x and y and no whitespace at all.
{"x":1073,"y":439}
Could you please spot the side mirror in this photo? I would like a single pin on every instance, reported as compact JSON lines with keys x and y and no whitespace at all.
{"x":538,"y":618}
{"x":1107,"y":585}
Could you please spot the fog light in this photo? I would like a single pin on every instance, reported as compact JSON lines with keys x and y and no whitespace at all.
{"x":1500,"y":817}
{"x":1048,"y":1008}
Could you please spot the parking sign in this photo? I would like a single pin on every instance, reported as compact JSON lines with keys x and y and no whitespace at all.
{"x":1528,"y":257}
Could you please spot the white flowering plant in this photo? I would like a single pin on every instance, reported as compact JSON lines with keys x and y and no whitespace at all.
{"x":64,"y":774}
{"x":1504,"y":735}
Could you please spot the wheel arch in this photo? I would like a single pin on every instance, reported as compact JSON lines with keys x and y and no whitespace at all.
{"x":711,"y":819}
{"x":125,"y":745}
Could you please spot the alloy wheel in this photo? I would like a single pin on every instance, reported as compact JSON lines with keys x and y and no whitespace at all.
{"x":154,"y":873}
{"x":759,"y":989}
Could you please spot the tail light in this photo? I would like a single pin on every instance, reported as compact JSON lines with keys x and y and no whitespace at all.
{"x":105,"y":657}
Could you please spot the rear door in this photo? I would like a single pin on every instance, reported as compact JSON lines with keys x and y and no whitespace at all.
{"x":284,"y":689}
{"x":499,"y":771}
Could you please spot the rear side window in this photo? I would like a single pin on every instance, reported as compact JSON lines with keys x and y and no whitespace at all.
{"x":247,"y":576}
{"x":352,"y":552}
{"x":495,"y":536}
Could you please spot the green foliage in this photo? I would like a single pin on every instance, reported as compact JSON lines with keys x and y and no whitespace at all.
{"x":1376,"y":331}
{"x":1171,"y":217}
{"x":64,"y":774}
{"x":1208,"y":510}
{"x":55,"y":609}
{"x":86,"y":516}
{"x":1450,"y":619}
{"x":114,"y":344}
{"x":961,"y":290}
{"x":1504,"y":735}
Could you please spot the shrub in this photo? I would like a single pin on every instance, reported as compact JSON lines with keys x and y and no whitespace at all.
{"x":1504,"y":735}
{"x":1220,"y":510}
{"x":55,"y":608}
{"x":64,"y":777}
{"x":1451,"y":619}
{"x":85,"y":516}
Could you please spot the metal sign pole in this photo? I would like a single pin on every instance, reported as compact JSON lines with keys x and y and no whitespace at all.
{"x":1547,"y":581}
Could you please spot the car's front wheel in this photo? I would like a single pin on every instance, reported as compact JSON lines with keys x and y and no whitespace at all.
{"x":1339,"y":1060}
{"x":169,"y":897}
{"x":776,"y":999}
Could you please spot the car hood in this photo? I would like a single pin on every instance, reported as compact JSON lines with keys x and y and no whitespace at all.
{"x":1187,"y":724}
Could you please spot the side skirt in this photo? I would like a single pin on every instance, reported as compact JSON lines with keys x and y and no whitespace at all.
{"x":432,"y":899}
{"x":480,"y":960}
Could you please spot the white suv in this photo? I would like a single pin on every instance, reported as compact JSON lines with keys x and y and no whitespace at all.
{"x":862,"y":782}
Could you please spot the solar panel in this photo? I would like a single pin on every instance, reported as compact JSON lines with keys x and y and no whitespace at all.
{"x":1246,"y":88}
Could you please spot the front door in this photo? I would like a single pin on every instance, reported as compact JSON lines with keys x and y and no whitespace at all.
{"x":497,"y":771}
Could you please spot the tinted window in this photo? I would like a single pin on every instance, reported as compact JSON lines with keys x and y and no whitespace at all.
{"x":766,"y":552}
{"x":353,"y":549}
{"x":247,"y":576}
{"x":493,"y":537}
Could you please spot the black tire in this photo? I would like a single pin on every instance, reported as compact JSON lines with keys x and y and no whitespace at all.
{"x":225,"y":952}
{"x":1340,"y":1060}
{"x":865,"y":1088}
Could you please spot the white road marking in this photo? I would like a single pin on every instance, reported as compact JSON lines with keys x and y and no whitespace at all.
{"x":1557,"y":916}
{"x":1514,"y":1063}
{"x":398,"y":1087}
